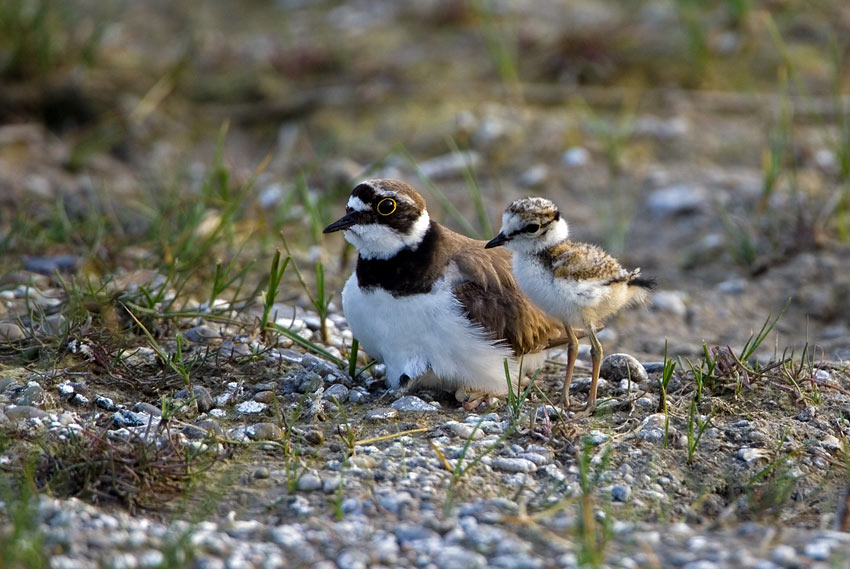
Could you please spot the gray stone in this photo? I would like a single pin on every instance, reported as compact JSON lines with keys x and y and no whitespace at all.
{"x":678,"y":199}
{"x":457,"y":557}
{"x":616,"y":367}
{"x":250,"y":407}
{"x":620,"y":493}
{"x":412,"y":403}
{"x":575,"y":156}
{"x":670,"y":301}
{"x":32,"y":394}
{"x":202,"y":335}
{"x":336,"y":391}
{"x":309,"y":482}
{"x":513,"y":464}
{"x":11,"y":332}
{"x":465,"y":430}
{"x":24,"y":412}
{"x":265,"y":432}
{"x":381,"y":414}
{"x":105,"y":403}
{"x":144,"y":407}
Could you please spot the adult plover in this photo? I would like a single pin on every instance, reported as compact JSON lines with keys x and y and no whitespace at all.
{"x":577,"y":283}
{"x":433,"y":304}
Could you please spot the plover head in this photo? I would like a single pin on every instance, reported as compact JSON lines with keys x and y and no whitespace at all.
{"x":530,"y":225}
{"x":383,"y":217}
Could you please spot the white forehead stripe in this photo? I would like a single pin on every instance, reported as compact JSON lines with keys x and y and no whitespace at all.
{"x":357,"y":204}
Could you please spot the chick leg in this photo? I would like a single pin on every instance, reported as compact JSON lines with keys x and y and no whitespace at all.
{"x":596,"y":361}
{"x":572,"y":353}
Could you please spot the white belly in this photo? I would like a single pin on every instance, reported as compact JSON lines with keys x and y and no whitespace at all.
{"x":568,"y":300}
{"x":428,"y":332}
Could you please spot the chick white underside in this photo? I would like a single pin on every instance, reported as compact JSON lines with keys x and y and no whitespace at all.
{"x":565,"y":299}
{"x":417,"y":334}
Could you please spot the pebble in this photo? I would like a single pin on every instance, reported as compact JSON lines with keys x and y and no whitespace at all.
{"x":412,"y":403}
{"x":264,"y":396}
{"x":670,"y":301}
{"x":465,"y":430}
{"x":24,"y":412}
{"x":381,"y":414}
{"x":336,"y":391}
{"x":620,"y":493}
{"x":309,"y":482}
{"x":750,"y":455}
{"x":456,"y":557}
{"x":11,"y":332}
{"x":652,"y":428}
{"x":616,"y":367}
{"x":264,"y":432}
{"x":575,"y":156}
{"x":202,"y":335}
{"x":534,"y":176}
{"x":678,"y":199}
{"x":250,"y":407}
{"x":450,"y":165}
{"x":513,"y":464}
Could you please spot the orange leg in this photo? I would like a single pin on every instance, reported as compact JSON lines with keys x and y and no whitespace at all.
{"x":596,"y":360}
{"x":572,"y":353}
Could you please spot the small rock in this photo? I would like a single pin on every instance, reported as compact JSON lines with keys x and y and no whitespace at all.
{"x":785,"y":555}
{"x":357,"y":395}
{"x":670,"y":301}
{"x":575,"y":156}
{"x":250,"y":407}
{"x":450,"y":165}
{"x":513,"y":464}
{"x":616,"y":367}
{"x":750,"y":455}
{"x":105,"y":403}
{"x":465,"y":430}
{"x":620,"y":493}
{"x":314,"y":437}
{"x":412,"y":403}
{"x":309,"y":482}
{"x":24,"y":412}
{"x":677,"y":200}
{"x":457,"y":557}
{"x":596,"y":438}
{"x":652,"y":428}
{"x":11,"y":332}
{"x":261,"y":473}
{"x":819,"y":550}
{"x":264,"y":396}
{"x":79,"y":400}
{"x":50,"y":265}
{"x":534,"y":176}
{"x":336,"y":391}
{"x":265,"y":432}
{"x":127,"y":418}
{"x":807,"y":414}
{"x":144,"y":407}
{"x":830,"y":442}
{"x":381,"y":414}
{"x":202,"y":335}
{"x":32,"y":394}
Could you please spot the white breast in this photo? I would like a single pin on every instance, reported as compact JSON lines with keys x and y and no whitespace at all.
{"x":567,"y":300}
{"x":428,"y":332}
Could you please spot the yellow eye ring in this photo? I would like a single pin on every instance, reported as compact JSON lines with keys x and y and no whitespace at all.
{"x":386,"y":206}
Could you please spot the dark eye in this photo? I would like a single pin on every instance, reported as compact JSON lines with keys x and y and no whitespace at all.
{"x":532,"y":228}
{"x":386,"y":206}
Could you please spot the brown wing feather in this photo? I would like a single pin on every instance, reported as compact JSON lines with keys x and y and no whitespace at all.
{"x":583,"y":261}
{"x":490,"y":295}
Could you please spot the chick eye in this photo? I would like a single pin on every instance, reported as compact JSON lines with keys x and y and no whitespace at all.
{"x":532,"y":228}
{"x":386,"y":206}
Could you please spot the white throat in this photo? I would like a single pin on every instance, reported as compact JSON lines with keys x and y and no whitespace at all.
{"x":378,"y":241}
